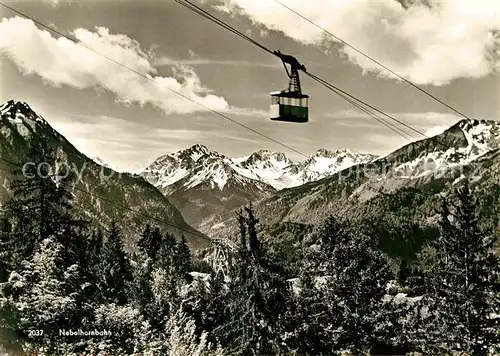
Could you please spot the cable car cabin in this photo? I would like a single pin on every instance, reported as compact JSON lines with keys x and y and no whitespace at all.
{"x":289,"y":106}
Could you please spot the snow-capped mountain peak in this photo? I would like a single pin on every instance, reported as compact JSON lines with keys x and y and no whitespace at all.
{"x":195,"y":153}
{"x":18,"y":107}
{"x":461,"y":144}
{"x":191,"y":167}
{"x":323,"y":163}
{"x":20,"y":117}
{"x":196,"y":165}
{"x":264,"y":159}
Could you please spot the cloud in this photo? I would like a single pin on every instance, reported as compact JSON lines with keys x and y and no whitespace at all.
{"x":61,"y":62}
{"x":428,"y":123}
{"x":166,"y":61}
{"x":125,"y":145}
{"x":129,"y":145}
{"x":429,"y":42}
{"x":436,"y":130}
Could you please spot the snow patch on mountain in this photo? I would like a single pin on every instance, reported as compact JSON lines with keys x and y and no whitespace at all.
{"x":100,"y":161}
{"x":323,"y":163}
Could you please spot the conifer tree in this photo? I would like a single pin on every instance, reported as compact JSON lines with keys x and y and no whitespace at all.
{"x":257,"y":298}
{"x":166,"y":253}
{"x":38,"y":296}
{"x":308,"y":316}
{"x":182,"y":261}
{"x":141,"y":292}
{"x":211,"y":308}
{"x":5,"y":259}
{"x":39,"y":225}
{"x":353,"y":276}
{"x":150,"y":242}
{"x":165,"y":283}
{"x":464,"y":281}
{"x":115,"y":268}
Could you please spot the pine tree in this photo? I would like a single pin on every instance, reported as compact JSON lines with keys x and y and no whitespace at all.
{"x":5,"y":259}
{"x":150,"y":242}
{"x":45,"y":244}
{"x":308,"y":316}
{"x":165,"y":286}
{"x":257,"y":297}
{"x":115,"y":268}
{"x":464,"y":281}
{"x":165,"y":283}
{"x":182,"y":257}
{"x":352,"y":276}
{"x":210,"y":311}
{"x":141,"y":292}
{"x":167,"y":252}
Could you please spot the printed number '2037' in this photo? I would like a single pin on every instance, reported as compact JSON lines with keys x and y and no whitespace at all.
{"x":34,"y":333}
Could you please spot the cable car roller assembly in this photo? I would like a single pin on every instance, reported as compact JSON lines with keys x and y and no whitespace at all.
{"x":290,"y":105}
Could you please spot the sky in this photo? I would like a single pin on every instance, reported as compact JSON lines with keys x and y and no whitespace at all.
{"x":450,"y":48}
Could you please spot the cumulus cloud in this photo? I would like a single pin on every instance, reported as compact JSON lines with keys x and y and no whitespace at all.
{"x":166,"y":61}
{"x":61,"y":62}
{"x":427,"y":41}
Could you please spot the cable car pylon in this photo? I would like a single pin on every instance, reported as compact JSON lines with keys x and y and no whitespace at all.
{"x":290,"y":105}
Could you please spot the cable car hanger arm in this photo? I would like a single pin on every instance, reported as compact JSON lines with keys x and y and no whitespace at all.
{"x":294,"y":63}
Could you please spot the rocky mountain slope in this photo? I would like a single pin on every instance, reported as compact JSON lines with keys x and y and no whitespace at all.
{"x":19,"y":124}
{"x":206,"y":185}
{"x":412,"y":180}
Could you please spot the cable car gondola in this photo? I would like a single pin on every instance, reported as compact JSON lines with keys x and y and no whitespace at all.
{"x":290,"y":105}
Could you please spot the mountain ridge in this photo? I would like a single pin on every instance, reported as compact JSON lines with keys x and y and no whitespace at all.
{"x":263,"y":165}
{"x":466,"y":149}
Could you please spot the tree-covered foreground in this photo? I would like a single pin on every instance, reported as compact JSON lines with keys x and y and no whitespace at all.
{"x":335,"y":292}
